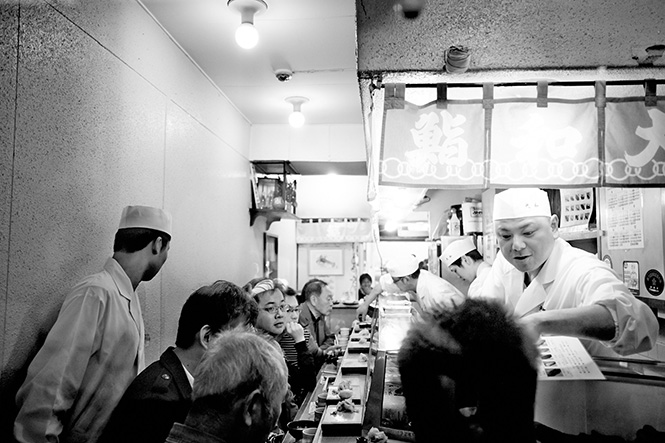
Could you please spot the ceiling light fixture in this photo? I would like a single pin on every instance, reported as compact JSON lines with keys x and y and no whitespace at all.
{"x":296,"y":119}
{"x":246,"y":35}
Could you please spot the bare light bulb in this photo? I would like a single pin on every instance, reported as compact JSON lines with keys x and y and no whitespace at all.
{"x":297,"y":119}
{"x":247,"y":36}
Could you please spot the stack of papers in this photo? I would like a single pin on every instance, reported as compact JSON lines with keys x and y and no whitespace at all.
{"x":565,"y":358}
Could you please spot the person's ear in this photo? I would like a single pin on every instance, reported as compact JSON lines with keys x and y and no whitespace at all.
{"x":554,"y":225}
{"x":157,"y":245}
{"x":205,"y":336}
{"x":253,"y":408}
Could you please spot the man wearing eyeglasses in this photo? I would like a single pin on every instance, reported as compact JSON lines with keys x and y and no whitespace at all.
{"x":433,"y":293}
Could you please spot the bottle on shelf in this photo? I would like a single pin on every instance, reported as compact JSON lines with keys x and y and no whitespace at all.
{"x":454,"y":224}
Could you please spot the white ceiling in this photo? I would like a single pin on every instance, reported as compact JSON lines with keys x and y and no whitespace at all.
{"x":316,"y":39}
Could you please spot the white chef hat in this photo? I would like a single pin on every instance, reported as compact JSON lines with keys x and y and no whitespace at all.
{"x":145,"y":217}
{"x":520,"y":203}
{"x":403,"y":266}
{"x":457,"y":249}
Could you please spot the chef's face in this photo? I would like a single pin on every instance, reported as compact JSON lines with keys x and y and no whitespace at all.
{"x":465,"y":270}
{"x":271,"y":312}
{"x":527,"y":242}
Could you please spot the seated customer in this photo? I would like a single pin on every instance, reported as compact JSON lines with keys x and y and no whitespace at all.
{"x":270,"y":323}
{"x":160,"y":395}
{"x":471,"y":358}
{"x":365,"y":281}
{"x":294,"y":339}
{"x":318,"y":304}
{"x":238,"y":389}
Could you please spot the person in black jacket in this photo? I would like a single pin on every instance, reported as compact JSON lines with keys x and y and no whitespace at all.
{"x":469,"y":376}
{"x":161,"y":395}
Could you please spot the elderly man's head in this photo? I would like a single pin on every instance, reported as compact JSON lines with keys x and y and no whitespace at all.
{"x":319,"y":295}
{"x":525,"y":227}
{"x":241,"y":382}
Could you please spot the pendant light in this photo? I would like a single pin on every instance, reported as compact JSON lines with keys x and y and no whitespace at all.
{"x":297,"y":118}
{"x":247,"y":35}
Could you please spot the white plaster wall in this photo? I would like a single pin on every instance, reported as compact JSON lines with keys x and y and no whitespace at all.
{"x":332,"y":196}
{"x":339,"y":143}
{"x":100,"y":109}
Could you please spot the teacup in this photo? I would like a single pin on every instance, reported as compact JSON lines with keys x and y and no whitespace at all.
{"x":308,"y":435}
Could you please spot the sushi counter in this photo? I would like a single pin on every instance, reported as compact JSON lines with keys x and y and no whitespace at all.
{"x":360,"y":394}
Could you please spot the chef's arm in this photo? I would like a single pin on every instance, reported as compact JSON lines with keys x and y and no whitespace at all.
{"x":591,"y":322}
{"x":361,"y":311}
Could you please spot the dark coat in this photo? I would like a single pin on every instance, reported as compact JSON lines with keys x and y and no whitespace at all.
{"x":158,"y":397}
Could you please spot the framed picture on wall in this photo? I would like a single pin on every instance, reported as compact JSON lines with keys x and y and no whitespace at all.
{"x":326,"y":261}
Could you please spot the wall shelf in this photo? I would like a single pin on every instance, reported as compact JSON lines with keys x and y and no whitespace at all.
{"x":579,"y":235}
{"x":271,"y":215}
{"x":273,"y":171}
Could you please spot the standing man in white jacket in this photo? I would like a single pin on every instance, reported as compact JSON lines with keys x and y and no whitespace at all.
{"x":96,"y":346}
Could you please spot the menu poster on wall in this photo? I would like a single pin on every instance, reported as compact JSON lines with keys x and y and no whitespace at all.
{"x":625,"y":218}
{"x":576,"y":208}
{"x":565,"y":358}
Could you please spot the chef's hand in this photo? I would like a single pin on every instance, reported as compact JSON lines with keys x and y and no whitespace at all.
{"x":296,"y":331}
{"x":531,"y":324}
{"x":361,"y":311}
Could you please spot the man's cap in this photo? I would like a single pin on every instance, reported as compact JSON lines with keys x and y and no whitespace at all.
{"x":403,"y":266}
{"x":262,"y":286}
{"x":145,"y":217}
{"x":520,"y":203}
{"x":456,"y":250}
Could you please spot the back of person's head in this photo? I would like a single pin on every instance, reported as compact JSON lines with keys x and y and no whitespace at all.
{"x":220,"y":305}
{"x":134,"y":239}
{"x":313,"y":287}
{"x":140,"y":225}
{"x":240,"y":370}
{"x":472,"y":355}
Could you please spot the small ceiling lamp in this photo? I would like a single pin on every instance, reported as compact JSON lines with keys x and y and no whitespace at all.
{"x":296,"y":119}
{"x":246,"y":35}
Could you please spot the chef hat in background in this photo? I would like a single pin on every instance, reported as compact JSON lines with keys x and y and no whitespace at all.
{"x":403,"y":266}
{"x":520,"y":203}
{"x":456,"y":250}
{"x":145,"y":217}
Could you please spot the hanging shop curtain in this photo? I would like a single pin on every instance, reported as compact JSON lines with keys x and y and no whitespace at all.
{"x":435,"y":145}
{"x":550,"y":146}
{"x":574,"y":139}
{"x":337,"y":231}
{"x":635,"y":143}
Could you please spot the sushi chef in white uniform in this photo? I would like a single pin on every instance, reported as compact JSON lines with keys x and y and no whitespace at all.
{"x":556,"y":289}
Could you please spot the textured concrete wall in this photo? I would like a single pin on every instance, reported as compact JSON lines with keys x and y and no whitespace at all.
{"x":100,"y":109}
{"x":509,"y":34}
